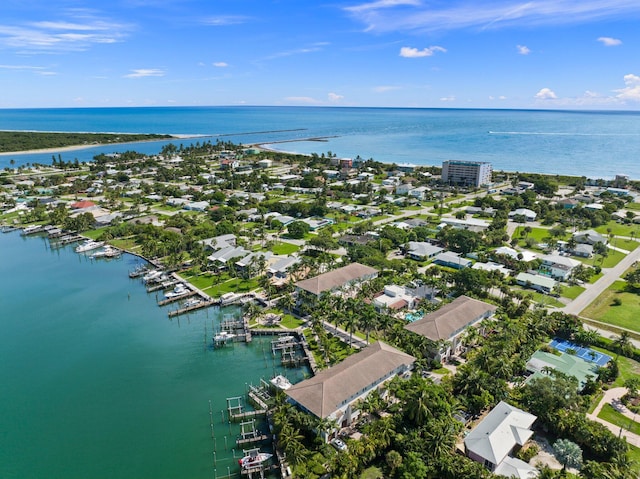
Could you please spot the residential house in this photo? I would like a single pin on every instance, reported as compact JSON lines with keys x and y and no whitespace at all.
{"x":471,"y":224}
{"x":248,"y":266}
{"x":333,"y":392}
{"x":309,"y":290}
{"x":197,"y":206}
{"x":266,"y":163}
{"x":394,"y":298}
{"x":522,"y":255}
{"x":558,"y":267}
{"x":421,"y":250}
{"x":219,"y":242}
{"x":280,"y":266}
{"x":491,"y":266}
{"x":528,"y":214}
{"x":541,"y":362}
{"x":589,"y":237}
{"x":583,"y":250}
{"x":493,"y":441}
{"x":446,"y":326}
{"x":452,"y":260}
{"x":419,"y":193}
{"x":541,"y":283}
{"x":403,"y":188}
{"x":221,"y":257}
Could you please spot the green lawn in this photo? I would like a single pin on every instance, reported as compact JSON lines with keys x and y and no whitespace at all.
{"x":216,"y":285}
{"x":626,"y":315}
{"x":628,"y":368}
{"x":617,"y":229}
{"x":609,"y":414}
{"x":291,"y":322}
{"x":545,"y":299}
{"x":284,"y":248}
{"x":571,"y":292}
{"x":538,"y":234}
{"x":613,"y":258}
{"x":633,"y":206}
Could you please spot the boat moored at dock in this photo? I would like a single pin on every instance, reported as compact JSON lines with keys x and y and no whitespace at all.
{"x":88,"y":245}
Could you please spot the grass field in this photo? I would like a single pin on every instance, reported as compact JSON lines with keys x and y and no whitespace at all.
{"x":618,"y":229}
{"x":284,"y":248}
{"x":571,"y":292}
{"x":609,"y":414}
{"x":626,"y":315}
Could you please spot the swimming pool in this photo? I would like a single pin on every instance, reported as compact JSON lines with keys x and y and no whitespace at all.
{"x":411,"y":317}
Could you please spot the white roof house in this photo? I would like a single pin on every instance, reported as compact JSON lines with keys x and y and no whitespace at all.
{"x":421,"y":250}
{"x":527,"y":213}
{"x":558,"y":267}
{"x":497,"y":435}
{"x":589,"y":237}
{"x":526,"y":255}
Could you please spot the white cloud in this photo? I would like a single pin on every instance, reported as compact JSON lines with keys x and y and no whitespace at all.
{"x":448,"y":98}
{"x":409,"y":52}
{"x":221,"y":64}
{"x":403,"y":16}
{"x":145,"y":72}
{"x":385,"y":88}
{"x":224,"y":20}
{"x":632,"y":89}
{"x":610,"y":42}
{"x":546,"y":94}
{"x":297,"y":51}
{"x":381,"y":4}
{"x":334,"y":97}
{"x":523,"y":49}
{"x":76,"y":33}
{"x":501,"y":97}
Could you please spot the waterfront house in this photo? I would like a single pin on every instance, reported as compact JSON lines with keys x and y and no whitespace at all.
{"x":493,"y":441}
{"x":333,"y":392}
{"x":446,"y":326}
{"x":309,"y":290}
{"x":219,"y":242}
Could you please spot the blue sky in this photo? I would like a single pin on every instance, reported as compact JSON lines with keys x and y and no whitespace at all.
{"x":569,"y":54}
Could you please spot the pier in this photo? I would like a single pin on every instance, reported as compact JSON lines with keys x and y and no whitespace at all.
{"x":192,"y":307}
{"x":235,"y":410}
{"x":249,"y":434}
{"x":177,"y":298}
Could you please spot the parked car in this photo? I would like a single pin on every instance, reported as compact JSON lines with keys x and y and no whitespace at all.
{"x":339,"y":444}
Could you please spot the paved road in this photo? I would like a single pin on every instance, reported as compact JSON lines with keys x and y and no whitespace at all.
{"x":610,"y":275}
{"x":612,"y":396}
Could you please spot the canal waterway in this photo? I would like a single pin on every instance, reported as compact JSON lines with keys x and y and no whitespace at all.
{"x":98,"y":382}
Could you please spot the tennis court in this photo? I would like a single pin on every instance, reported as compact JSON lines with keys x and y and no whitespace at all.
{"x":587,"y":354}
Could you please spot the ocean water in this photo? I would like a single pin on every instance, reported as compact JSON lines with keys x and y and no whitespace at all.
{"x":97,"y":382}
{"x":595,"y":144}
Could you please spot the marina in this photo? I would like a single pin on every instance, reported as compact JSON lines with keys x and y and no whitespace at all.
{"x":118,"y":347}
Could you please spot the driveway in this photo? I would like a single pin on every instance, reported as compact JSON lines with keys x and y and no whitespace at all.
{"x":612,"y":396}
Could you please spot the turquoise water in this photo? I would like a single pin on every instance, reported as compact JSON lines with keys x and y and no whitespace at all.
{"x":411,"y":317}
{"x":596,"y":144}
{"x":97,"y":382}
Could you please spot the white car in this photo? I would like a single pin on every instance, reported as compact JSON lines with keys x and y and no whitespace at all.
{"x":339,"y":444}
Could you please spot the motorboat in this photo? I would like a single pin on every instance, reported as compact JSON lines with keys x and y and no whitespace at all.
{"x":223,"y":336}
{"x":107,"y":252}
{"x":179,"y":290}
{"x":191,"y":302}
{"x":151,"y":275}
{"x":254,"y":460}
{"x":88,"y":245}
{"x":281,"y":382}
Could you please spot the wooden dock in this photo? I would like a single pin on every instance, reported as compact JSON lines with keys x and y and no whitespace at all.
{"x":177,"y":298}
{"x":193,"y":307}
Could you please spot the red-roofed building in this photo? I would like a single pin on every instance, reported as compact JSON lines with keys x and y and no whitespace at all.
{"x":79,"y":205}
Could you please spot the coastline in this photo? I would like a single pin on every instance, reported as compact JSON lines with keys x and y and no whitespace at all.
{"x":64,"y":149}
